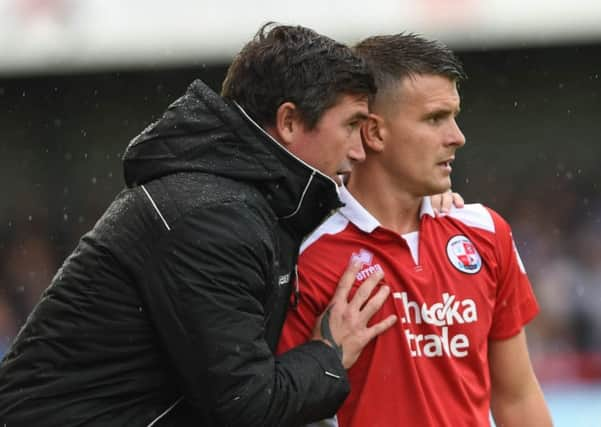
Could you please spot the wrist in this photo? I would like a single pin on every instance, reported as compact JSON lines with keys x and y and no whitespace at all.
{"x":326,"y":334}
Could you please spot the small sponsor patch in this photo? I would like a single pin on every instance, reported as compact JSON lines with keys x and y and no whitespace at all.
{"x":364,"y":256}
{"x":463,"y":255}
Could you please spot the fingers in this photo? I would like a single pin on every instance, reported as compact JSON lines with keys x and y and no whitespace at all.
{"x":346,"y":328}
{"x":436,"y":202}
{"x":446,"y":201}
{"x":381,"y":326}
{"x":375,"y":303}
{"x":442,"y":203}
{"x":346,"y":281}
{"x":458,"y":200}
{"x":364,"y":291}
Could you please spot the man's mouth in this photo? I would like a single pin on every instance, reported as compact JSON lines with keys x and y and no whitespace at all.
{"x":446,"y":164}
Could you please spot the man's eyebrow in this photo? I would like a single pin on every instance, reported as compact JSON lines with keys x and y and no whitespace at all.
{"x":445,"y":111}
{"x":359,"y":115}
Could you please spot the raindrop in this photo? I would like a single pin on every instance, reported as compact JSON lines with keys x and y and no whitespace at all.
{"x":30,"y":218}
{"x":94,"y":180}
{"x":65,"y":217}
{"x":84,"y":133}
{"x":68,"y":156}
{"x":467,"y":180}
{"x":515,"y":104}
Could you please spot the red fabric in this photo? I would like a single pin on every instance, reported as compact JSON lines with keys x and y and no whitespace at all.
{"x":431,"y":368}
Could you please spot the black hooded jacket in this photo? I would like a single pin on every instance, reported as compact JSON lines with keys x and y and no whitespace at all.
{"x":168,"y":311}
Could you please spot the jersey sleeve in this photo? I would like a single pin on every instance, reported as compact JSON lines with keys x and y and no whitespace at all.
{"x":316,"y":288}
{"x":516,"y":303}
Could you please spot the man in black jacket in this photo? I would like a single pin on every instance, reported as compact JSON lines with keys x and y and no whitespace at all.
{"x":169,"y":309}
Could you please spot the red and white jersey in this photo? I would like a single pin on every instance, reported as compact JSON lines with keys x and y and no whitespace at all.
{"x":456,"y":283}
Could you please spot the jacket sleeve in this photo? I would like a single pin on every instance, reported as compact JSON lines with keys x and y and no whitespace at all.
{"x":206,"y":286}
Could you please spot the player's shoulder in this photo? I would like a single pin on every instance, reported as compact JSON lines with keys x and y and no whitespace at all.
{"x":477,"y":215}
{"x":334,"y":224}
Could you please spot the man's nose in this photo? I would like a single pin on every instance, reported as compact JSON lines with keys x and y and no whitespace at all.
{"x":456,"y":136}
{"x":357,"y":152}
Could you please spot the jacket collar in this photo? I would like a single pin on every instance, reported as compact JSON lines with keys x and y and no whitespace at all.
{"x":203,"y":132}
{"x":306,"y":196}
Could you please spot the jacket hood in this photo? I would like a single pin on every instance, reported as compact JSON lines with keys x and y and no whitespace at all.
{"x":202,"y":132}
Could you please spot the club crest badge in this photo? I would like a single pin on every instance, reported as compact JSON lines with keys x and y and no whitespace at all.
{"x":463,"y":255}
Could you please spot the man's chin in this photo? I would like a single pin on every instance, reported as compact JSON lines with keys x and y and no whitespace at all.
{"x":438,"y":189}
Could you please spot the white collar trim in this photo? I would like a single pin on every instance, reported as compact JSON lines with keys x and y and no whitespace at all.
{"x":364,"y":220}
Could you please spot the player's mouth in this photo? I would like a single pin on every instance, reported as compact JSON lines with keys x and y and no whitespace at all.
{"x":446,"y":164}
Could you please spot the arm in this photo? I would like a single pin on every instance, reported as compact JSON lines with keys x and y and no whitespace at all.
{"x":207,"y":285}
{"x":516,"y":397}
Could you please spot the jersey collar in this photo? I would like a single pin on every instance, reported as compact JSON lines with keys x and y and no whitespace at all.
{"x":365,"y":221}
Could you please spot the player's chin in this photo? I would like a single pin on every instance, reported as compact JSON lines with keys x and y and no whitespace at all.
{"x":440,"y":187}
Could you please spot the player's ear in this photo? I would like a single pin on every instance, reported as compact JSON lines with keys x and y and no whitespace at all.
{"x":372,"y":133}
{"x":287,"y":124}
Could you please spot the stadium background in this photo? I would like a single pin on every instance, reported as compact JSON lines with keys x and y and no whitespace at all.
{"x":79,"y":79}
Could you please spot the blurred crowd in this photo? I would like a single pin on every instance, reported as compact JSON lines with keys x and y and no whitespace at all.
{"x":560,"y":243}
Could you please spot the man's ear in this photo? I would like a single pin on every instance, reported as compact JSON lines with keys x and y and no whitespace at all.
{"x":287,"y":123}
{"x":372,"y":133}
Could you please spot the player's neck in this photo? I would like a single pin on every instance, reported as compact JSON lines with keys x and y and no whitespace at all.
{"x":395,"y":208}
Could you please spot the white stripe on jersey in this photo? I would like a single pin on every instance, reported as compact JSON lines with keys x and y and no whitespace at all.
{"x":333,"y":225}
{"x":475,"y":215}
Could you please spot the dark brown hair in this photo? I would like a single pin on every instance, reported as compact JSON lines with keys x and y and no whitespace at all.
{"x":294,"y":64}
